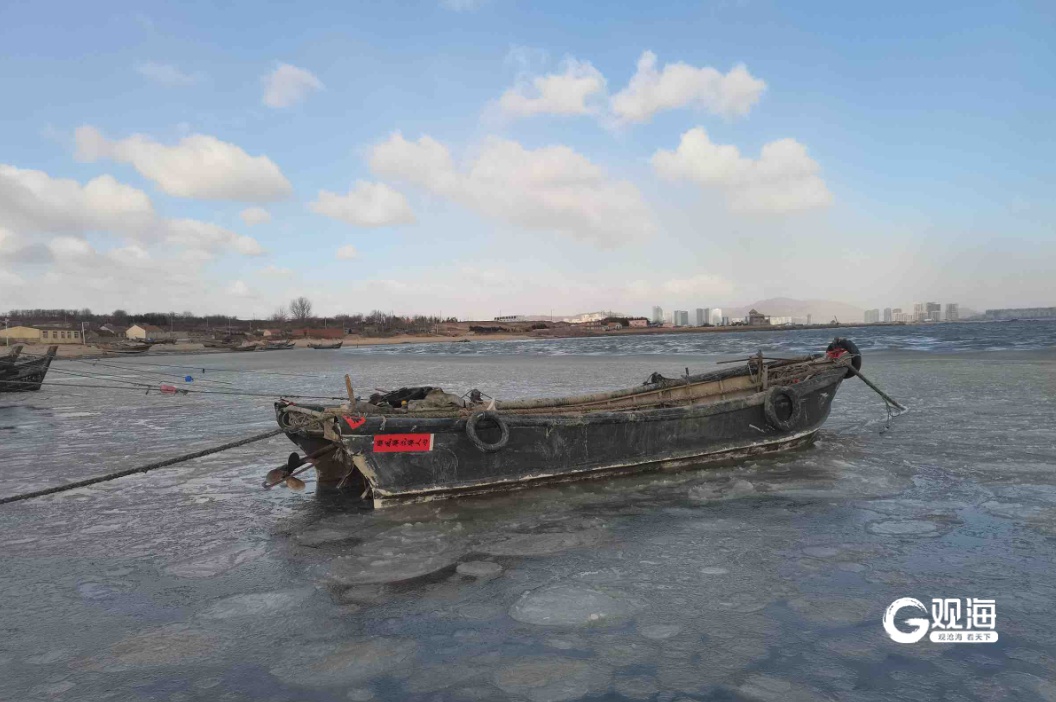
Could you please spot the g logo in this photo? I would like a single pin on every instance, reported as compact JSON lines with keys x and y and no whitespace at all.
{"x":921,"y":625}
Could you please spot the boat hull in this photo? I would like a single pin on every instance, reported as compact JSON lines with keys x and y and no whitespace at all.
{"x":434,"y":457}
{"x":25,"y":375}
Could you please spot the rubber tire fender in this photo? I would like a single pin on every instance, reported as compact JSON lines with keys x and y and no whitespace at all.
{"x":494,"y":417}
{"x":770,"y":409}
{"x":851,"y":348}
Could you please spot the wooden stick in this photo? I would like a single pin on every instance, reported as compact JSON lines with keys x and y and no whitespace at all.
{"x":878,"y":391}
{"x":348,"y":387}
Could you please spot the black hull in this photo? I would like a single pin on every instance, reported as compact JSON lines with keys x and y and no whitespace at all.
{"x":555,"y":447}
{"x":27,"y":375}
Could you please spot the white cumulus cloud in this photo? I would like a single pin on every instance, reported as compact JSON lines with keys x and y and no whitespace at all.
{"x":365,"y":204}
{"x":552,"y":188}
{"x":209,"y":238}
{"x":783,"y":179}
{"x":287,"y":85}
{"x":34,"y":202}
{"x":199,"y":166}
{"x":566,"y":93}
{"x":681,"y":85}
{"x":347,"y":252}
{"x":166,"y":74}
{"x":254,"y":215}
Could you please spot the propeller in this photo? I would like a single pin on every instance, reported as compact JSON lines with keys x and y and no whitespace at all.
{"x":286,"y":475}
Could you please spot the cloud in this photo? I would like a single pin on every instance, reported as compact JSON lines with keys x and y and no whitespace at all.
{"x":210,"y":238}
{"x":166,"y":74}
{"x":238,"y":288}
{"x":199,"y":166}
{"x":681,"y":85}
{"x":16,"y":249}
{"x":287,"y":85}
{"x":366,"y":205}
{"x":34,"y":202}
{"x":273,"y":271}
{"x":565,"y":93}
{"x":552,"y":188}
{"x":252,"y":216}
{"x":783,"y":179}
{"x":347,"y":253}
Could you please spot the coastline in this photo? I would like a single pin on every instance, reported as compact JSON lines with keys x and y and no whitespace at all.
{"x":353,"y":340}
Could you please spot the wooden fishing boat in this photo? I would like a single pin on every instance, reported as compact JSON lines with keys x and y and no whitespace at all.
{"x":25,"y":374}
{"x":246,"y":347}
{"x":127,"y":348}
{"x":277,"y":345}
{"x":326,"y":347}
{"x":419,"y":444}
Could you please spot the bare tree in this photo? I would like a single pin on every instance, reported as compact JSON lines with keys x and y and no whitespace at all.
{"x":280,"y":315}
{"x":301,"y":309}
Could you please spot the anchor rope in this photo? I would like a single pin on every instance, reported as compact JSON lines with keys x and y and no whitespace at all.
{"x":154,"y":465}
{"x":132,"y":385}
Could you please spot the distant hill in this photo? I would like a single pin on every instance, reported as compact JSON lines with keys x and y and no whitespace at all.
{"x":821,"y":311}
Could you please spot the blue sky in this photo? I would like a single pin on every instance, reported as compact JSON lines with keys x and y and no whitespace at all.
{"x":915,"y":155}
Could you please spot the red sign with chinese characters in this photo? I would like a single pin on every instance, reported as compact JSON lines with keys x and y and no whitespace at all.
{"x":390,"y":443}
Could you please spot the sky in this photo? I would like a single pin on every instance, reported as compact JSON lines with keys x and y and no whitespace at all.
{"x":473,"y":158}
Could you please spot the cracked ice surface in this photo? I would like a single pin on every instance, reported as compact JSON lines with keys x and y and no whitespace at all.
{"x":759,"y":580}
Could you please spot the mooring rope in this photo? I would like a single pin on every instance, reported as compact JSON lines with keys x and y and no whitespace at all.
{"x":140,"y":469}
{"x":139,"y":387}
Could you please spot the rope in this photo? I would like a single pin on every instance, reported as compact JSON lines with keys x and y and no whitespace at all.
{"x":161,"y":464}
{"x":140,"y":469}
{"x":141,"y":386}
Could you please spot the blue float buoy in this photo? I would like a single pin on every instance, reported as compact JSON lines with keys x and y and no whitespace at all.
{"x":189,"y":379}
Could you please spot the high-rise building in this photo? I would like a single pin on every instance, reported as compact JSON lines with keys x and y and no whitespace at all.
{"x":953,"y":313}
{"x":681,"y":318}
{"x":887,"y":314}
{"x":920,"y":311}
{"x":658,"y":315}
{"x":872,"y":316}
{"x":934,"y":312}
{"x":703,"y":316}
{"x":810,"y":319}
{"x":716,"y":316}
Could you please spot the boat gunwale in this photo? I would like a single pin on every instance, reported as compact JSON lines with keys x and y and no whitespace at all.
{"x":404,"y":423}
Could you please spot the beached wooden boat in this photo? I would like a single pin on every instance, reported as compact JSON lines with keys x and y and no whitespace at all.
{"x":24,"y":374}
{"x":326,"y":347}
{"x":277,"y":345}
{"x":246,"y":347}
{"x":421,"y":443}
{"x":127,"y":347}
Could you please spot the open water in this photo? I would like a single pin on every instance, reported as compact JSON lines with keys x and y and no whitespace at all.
{"x":764,"y":580}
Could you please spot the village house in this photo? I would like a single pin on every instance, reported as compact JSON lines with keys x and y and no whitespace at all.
{"x":40,"y":335}
{"x":144,"y":332}
{"x":638,"y":322}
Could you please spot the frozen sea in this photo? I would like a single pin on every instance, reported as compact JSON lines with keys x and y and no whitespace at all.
{"x":764,"y":580}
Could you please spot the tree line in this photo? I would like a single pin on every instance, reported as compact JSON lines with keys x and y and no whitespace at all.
{"x":297,"y":314}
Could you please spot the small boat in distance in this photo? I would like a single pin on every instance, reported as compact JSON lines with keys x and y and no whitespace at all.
{"x":129,"y":347}
{"x":421,"y":443}
{"x":24,"y":374}
{"x":277,"y":345}
{"x":326,"y":347}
